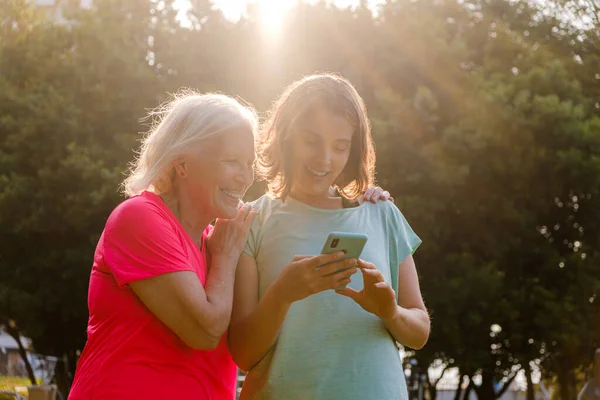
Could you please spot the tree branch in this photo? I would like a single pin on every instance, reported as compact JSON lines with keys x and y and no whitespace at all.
{"x":442,"y":375}
{"x":13,"y":331}
{"x":506,"y":384}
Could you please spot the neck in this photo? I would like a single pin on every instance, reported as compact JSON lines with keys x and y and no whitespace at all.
{"x":327,"y":200}
{"x":194,"y":221}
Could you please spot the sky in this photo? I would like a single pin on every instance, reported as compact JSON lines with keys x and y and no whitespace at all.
{"x":232,"y":9}
{"x":271,"y":10}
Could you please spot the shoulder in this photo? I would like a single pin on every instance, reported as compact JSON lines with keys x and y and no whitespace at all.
{"x":141,"y":213}
{"x":388,"y":215}
{"x":266,"y":205}
{"x":385,"y":209}
{"x":264,"y":202}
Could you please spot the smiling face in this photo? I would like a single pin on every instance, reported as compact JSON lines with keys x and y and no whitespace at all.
{"x":218,"y":176}
{"x":320,"y":151}
{"x":317,"y":135}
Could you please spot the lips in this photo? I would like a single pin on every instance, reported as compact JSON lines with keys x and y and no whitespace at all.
{"x":233,"y":194}
{"x":317,"y":173}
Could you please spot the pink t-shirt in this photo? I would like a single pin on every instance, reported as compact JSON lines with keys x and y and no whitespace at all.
{"x":129,"y":353}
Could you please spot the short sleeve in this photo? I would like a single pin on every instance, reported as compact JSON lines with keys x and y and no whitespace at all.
{"x":403,"y":241}
{"x":140,"y":242}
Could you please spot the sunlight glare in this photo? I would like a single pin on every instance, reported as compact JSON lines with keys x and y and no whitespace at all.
{"x":272,"y":13}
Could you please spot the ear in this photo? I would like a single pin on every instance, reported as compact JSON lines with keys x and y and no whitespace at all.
{"x":180,"y":167}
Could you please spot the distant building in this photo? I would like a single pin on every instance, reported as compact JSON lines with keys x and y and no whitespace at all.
{"x":11,"y":363}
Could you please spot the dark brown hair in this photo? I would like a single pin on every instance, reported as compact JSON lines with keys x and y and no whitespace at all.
{"x":298,"y":102}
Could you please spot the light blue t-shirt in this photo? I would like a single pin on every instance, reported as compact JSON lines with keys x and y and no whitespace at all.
{"x":328,"y":346}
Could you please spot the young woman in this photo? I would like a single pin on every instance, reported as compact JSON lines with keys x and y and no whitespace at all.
{"x":297,"y":336}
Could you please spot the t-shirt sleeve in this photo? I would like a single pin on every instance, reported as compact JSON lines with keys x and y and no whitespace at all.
{"x":403,"y":241}
{"x":407,"y":241}
{"x":141,"y":242}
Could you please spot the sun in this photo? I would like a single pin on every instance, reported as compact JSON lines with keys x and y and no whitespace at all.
{"x":272,"y":13}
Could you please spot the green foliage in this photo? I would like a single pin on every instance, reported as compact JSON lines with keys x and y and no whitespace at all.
{"x":486,"y":118}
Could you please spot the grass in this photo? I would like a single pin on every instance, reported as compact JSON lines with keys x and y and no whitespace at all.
{"x":14,"y":384}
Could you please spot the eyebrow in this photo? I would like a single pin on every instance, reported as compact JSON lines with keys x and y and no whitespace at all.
{"x":305,"y":129}
{"x":312,"y":132}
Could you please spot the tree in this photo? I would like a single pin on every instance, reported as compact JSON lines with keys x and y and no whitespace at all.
{"x":69,"y":124}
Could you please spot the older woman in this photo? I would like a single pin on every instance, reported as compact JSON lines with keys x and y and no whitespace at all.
{"x":158,"y":312}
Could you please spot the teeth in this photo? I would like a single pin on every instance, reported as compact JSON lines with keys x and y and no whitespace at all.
{"x":317,"y":173}
{"x":233,"y":195}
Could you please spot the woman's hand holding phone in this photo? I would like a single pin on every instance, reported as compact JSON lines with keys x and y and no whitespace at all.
{"x":304,"y":276}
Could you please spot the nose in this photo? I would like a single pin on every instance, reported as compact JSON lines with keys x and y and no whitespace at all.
{"x":326,"y":155}
{"x":245,"y":176}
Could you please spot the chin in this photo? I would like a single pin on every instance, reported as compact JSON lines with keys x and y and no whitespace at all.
{"x":317,"y":190}
{"x":227,"y":213}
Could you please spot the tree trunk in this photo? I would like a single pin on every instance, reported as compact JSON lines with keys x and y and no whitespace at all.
{"x":14,"y":333}
{"x":62,"y":376}
{"x":566,"y":382}
{"x":506,"y":385}
{"x":432,"y":384}
{"x":432,"y":391}
{"x":469,"y":388}
{"x":486,"y":390}
{"x":530,"y":388}
{"x":459,"y":387}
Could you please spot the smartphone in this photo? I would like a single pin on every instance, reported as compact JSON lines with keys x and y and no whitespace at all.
{"x":352,"y":244}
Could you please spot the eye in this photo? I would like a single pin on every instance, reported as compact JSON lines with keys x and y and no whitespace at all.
{"x":310,"y":138}
{"x":342,"y":147}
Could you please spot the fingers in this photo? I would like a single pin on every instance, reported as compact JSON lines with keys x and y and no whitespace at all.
{"x":299,"y":258}
{"x":245,"y":215}
{"x":323,"y":259}
{"x":375,"y":195}
{"x":364,"y":265}
{"x":337,"y":279}
{"x":380,"y":194}
{"x":381,"y":285}
{"x":250,"y":218}
{"x":371,"y":276}
{"x":336,"y":266}
{"x":385,"y":293}
{"x":368,"y":193}
{"x":242,"y":212}
{"x":338,"y":276}
{"x":349,"y":292}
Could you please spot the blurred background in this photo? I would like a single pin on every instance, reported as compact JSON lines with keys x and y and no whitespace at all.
{"x":486,"y":118}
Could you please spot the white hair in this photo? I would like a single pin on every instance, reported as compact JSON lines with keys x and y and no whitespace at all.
{"x":178,"y":126}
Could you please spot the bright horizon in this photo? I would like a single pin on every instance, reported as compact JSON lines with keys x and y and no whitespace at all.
{"x":234,"y":9}
{"x":272,"y":12}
